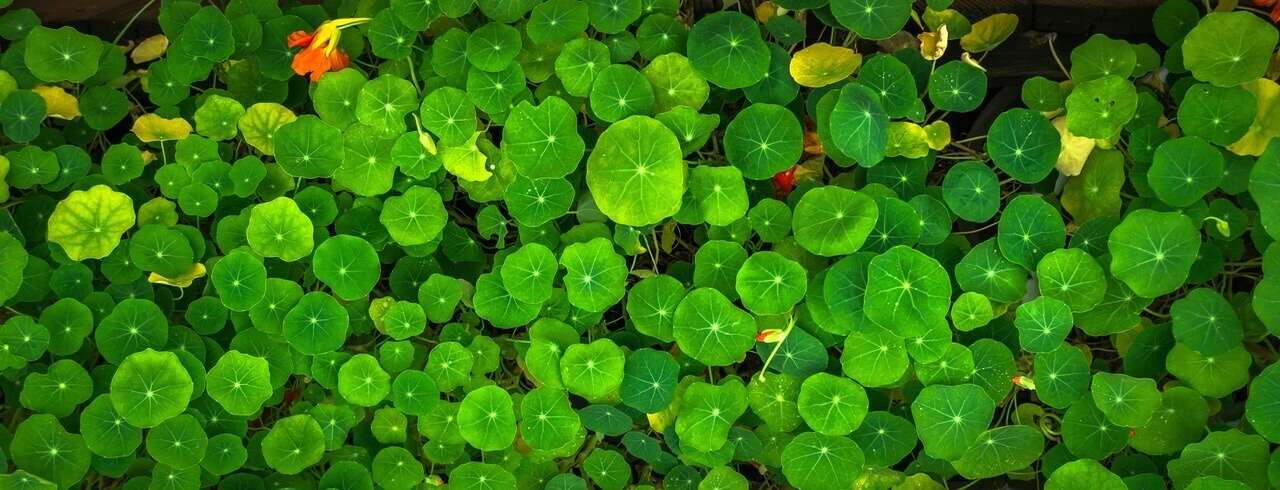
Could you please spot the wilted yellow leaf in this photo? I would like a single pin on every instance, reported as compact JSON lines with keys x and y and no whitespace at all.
{"x":60,"y":104}
{"x":989,"y":33}
{"x":967,"y":58}
{"x":1075,"y":149}
{"x":195,"y":272}
{"x":823,"y":64}
{"x":150,"y":49}
{"x":151,"y":127}
{"x":933,"y":44}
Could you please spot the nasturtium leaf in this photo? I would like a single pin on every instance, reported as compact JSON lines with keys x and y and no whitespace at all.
{"x":957,"y":86}
{"x":240,"y":279}
{"x":1228,"y":48}
{"x":972,"y":191}
{"x":362,"y":381}
{"x":950,"y":418}
{"x":635,"y":173}
{"x":54,"y":55}
{"x":675,"y":83}
{"x":558,"y":20}
{"x":1099,"y":107}
{"x":1024,"y":144}
{"x":548,"y":421}
{"x":649,"y":380}
{"x":259,"y":125}
{"x":822,"y":64}
{"x":831,"y":220}
{"x":543,"y":141}
{"x":1228,"y":454}
{"x":872,"y":19}
{"x":1072,"y":276}
{"x":1101,"y":56}
{"x":620,"y":91}
{"x":708,"y":411}
{"x":1152,"y":252}
{"x":316,"y":324}
{"x":770,"y":284}
{"x":308,"y":147}
{"x":815,"y":461}
{"x":1205,"y":322}
{"x":1184,"y":170}
{"x":278,"y":228}
{"x":832,"y":405}
{"x":907,"y":290}
{"x":1095,"y":191}
{"x":1219,"y":115}
{"x":89,"y":224}
{"x":720,"y":194}
{"x":595,"y":275}
{"x":651,"y":305}
{"x":1029,"y":228}
{"x":42,"y":447}
{"x":860,"y":125}
{"x":347,"y":264}
{"x":105,"y":432}
{"x":592,"y":370}
{"x":207,"y":35}
{"x":239,"y":382}
{"x":486,"y":418}
{"x":1126,"y":401}
{"x":727,"y":50}
{"x":293,"y":444}
{"x":1084,"y":473}
{"x":384,"y":102}
{"x":415,"y":217}
{"x":710,"y":329}
{"x":1213,"y":376}
{"x":1000,"y":451}
{"x":58,"y":391}
{"x":150,"y":387}
{"x":762,"y":140}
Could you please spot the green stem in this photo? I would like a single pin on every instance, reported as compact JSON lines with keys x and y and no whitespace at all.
{"x":129,"y":24}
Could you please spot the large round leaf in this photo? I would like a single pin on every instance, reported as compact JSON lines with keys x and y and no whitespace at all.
{"x":635,"y":173}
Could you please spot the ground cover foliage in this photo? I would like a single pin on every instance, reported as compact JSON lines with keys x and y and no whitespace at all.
{"x":491,"y":244}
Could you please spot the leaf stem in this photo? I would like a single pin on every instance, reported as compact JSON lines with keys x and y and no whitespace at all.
{"x":129,"y":24}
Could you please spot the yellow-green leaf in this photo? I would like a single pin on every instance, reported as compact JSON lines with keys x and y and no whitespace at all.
{"x":989,"y":33}
{"x":151,"y":128}
{"x":89,"y":224}
{"x":1266,"y":125}
{"x":823,"y":64}
{"x":466,"y":161}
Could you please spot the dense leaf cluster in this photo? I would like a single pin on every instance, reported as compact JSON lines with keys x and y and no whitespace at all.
{"x":575,"y":244}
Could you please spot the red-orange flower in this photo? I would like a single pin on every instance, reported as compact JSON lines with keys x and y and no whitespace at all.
{"x":783,"y":182}
{"x":320,"y":53}
{"x":1275,"y":8}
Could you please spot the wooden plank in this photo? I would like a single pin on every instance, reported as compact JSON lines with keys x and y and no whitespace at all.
{"x":53,"y":12}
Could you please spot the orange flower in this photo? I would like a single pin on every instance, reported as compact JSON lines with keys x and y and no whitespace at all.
{"x":320,"y":53}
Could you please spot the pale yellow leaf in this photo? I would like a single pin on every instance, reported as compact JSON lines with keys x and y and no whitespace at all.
{"x":150,"y":49}
{"x":1075,"y":149}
